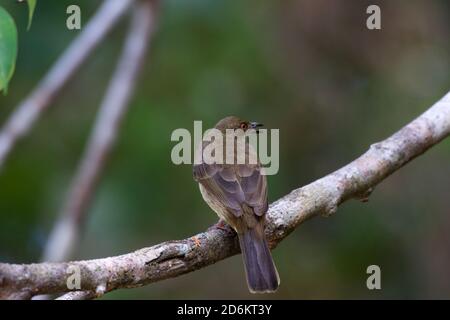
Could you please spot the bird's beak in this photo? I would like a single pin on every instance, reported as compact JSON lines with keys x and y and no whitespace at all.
{"x":255,"y":125}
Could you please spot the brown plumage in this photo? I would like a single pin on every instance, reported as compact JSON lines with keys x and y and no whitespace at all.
{"x":238,"y":194}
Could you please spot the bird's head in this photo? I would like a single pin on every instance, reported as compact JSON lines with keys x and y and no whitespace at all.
{"x":235,"y":123}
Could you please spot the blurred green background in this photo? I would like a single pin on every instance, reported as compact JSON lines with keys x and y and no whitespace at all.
{"x":310,"y":68}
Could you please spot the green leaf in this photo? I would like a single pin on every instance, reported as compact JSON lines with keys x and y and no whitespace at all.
{"x":8,"y":48}
{"x":31,"y":7}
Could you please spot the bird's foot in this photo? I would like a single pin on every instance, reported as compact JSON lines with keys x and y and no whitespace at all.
{"x":222,"y":225}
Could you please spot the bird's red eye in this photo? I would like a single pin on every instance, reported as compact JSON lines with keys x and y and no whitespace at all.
{"x":243,"y":126}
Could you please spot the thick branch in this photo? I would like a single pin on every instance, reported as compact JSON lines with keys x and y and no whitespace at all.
{"x":42,"y":96}
{"x":174,"y":258}
{"x":63,"y":238}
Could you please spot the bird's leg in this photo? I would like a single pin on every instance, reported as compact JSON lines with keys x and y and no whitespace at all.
{"x":222,"y":225}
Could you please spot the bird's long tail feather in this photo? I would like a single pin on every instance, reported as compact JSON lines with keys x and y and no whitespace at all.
{"x":262,"y":275}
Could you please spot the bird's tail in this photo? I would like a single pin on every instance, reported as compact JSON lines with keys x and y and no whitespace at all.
{"x":262,"y":275}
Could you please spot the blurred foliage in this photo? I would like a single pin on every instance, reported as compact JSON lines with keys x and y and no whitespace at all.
{"x":8,"y":44}
{"x":8,"y":48}
{"x":31,"y":7}
{"x":310,"y":68}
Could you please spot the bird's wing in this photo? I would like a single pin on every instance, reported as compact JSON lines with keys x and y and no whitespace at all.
{"x":234,"y":186}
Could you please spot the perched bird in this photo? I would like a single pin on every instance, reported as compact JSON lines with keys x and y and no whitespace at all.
{"x":238,"y":194}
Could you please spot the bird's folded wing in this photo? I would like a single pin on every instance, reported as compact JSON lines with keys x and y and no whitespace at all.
{"x":235,"y":185}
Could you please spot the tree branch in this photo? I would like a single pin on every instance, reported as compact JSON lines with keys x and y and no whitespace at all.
{"x":79,"y":295}
{"x":173,"y":258}
{"x":63,"y":239}
{"x":43,"y":95}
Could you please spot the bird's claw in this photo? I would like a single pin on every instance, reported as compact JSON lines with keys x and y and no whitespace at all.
{"x":222,"y":225}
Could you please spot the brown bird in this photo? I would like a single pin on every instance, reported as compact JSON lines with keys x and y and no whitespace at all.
{"x":238,"y":194}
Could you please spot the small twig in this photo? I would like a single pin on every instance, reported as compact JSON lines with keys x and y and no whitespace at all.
{"x":174,"y":258}
{"x":43,"y":95}
{"x":63,"y":238}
